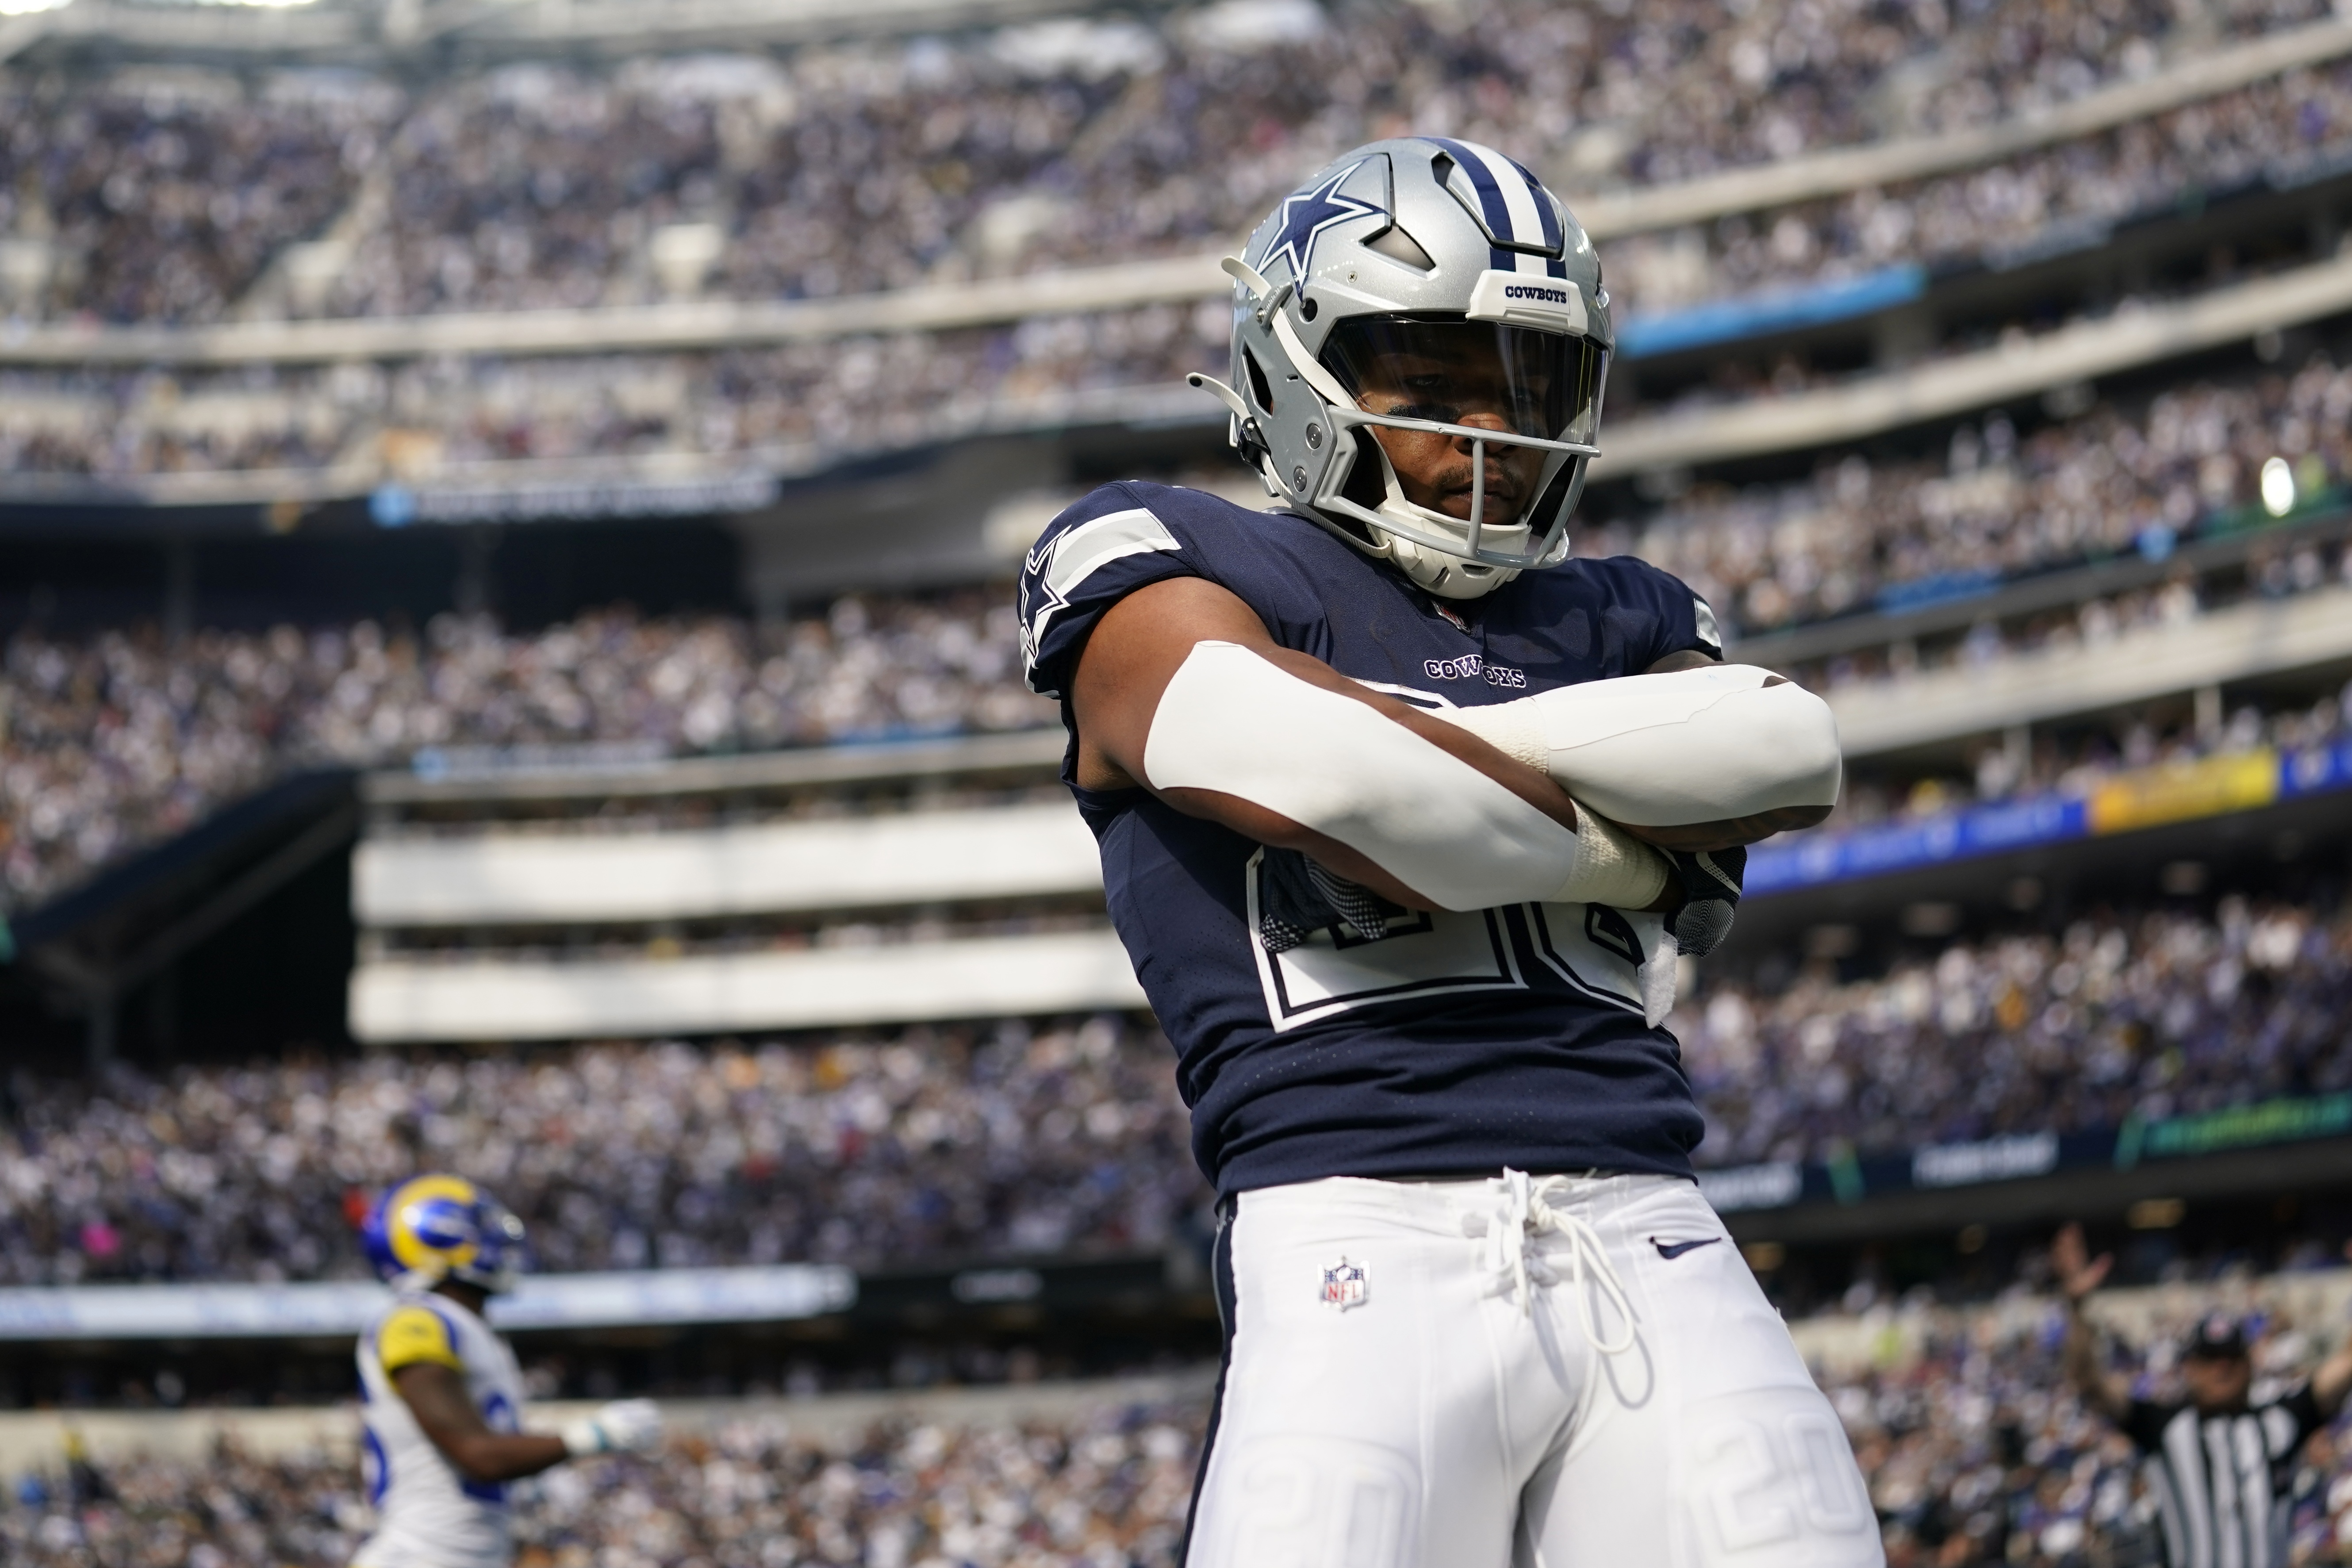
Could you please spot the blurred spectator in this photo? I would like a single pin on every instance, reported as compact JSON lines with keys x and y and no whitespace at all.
{"x":1010,"y":1138}
{"x":2076,"y":764}
{"x":2150,"y":1014}
{"x":2107,"y":482}
{"x":931,"y":1145}
{"x":1108,"y":1489}
{"x":1974,"y":1452}
{"x":879,"y":164}
{"x":422,"y":418}
{"x":115,"y":741}
{"x":154,"y":196}
{"x":2300,"y":121}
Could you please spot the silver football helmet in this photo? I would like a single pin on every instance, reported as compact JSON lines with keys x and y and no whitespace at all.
{"x":1426,"y":299}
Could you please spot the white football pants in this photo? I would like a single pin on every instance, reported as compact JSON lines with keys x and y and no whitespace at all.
{"x":1546,"y":1372}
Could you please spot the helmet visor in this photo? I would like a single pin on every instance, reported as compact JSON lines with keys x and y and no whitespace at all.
{"x":1514,"y":380}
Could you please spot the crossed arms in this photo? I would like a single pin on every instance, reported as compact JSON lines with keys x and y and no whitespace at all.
{"x":1181,"y":691}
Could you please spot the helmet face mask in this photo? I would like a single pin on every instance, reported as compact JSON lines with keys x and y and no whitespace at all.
{"x":1471,"y":423}
{"x":1421,"y":343}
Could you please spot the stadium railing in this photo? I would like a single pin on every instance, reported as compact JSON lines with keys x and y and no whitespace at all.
{"x":2290,"y":1143}
{"x":443,"y":26}
{"x":638,"y":1297}
{"x":469,"y":871}
{"x":2235,"y":643}
{"x":31,"y":1441}
{"x":505,"y":998}
{"x":893,"y":860}
{"x":2136,"y":336}
{"x":2082,"y":351}
{"x":710,"y":324}
{"x":1839,"y":170}
{"x":2130,"y":801}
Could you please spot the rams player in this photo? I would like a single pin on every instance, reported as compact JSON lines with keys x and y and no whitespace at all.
{"x":1405,"y":818}
{"x":443,"y":1396}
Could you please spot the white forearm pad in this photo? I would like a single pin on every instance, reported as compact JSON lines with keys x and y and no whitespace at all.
{"x":1238,"y":724}
{"x":1666,"y":751}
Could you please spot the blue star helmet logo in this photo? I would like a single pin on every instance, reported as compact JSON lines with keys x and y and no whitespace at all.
{"x":1308,"y":214}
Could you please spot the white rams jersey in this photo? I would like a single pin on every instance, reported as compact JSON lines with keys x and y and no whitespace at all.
{"x":427,"y":1514}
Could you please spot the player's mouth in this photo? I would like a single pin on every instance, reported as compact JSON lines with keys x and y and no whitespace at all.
{"x":1504,"y":492}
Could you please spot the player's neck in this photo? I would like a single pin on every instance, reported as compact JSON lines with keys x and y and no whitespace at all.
{"x":473,"y":1297}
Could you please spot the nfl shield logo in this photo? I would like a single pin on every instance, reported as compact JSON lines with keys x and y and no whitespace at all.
{"x":1345,"y":1285}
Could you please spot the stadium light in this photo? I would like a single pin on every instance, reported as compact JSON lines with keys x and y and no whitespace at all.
{"x":2278,"y":487}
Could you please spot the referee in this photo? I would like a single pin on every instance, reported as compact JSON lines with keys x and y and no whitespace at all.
{"x":2219,"y":1465}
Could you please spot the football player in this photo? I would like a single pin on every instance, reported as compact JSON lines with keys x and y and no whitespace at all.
{"x":442,"y":1395}
{"x":1405,"y":818}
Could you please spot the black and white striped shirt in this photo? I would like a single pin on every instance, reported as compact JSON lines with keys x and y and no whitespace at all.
{"x":2221,"y":1481}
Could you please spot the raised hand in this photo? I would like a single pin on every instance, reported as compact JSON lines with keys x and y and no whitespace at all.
{"x":2079,"y":1274}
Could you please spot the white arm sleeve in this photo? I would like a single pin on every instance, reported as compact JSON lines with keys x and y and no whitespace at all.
{"x":1666,"y":751}
{"x":1234,"y":723}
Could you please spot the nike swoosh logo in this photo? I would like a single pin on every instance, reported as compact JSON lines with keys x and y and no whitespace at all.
{"x":1671,"y":1250}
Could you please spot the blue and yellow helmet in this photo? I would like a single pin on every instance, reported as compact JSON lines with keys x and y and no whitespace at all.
{"x":431,"y":1228}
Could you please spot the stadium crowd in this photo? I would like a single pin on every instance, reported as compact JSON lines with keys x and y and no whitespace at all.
{"x":114,"y":741}
{"x":161,"y":196}
{"x":930,"y":1144}
{"x":2076,"y":764}
{"x":851,"y":168}
{"x":2111,"y":478}
{"x":1105,"y":1489}
{"x":1975,"y":1453}
{"x":1062,"y":1138}
{"x":2108,"y":481}
{"x":843,"y":397}
{"x":2146,"y":1014}
{"x":2287,"y":128}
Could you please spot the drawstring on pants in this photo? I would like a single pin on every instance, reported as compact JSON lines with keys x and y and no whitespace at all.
{"x":1523,"y":1213}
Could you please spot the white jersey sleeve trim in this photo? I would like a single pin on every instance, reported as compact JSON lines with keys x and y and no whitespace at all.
{"x":1077,"y":553}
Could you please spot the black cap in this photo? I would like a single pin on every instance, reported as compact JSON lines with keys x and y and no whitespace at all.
{"x":2216,"y":1335}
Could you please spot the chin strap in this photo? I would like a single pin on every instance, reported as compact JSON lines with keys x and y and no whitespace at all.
{"x":1447,"y":576}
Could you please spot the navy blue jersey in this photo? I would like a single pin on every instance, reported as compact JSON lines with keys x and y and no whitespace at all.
{"x":1448,"y":1042}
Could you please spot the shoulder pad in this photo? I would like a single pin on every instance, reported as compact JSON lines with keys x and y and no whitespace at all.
{"x":410,"y":1334}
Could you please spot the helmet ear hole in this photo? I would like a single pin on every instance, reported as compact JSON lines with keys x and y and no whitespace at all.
{"x":1261,"y":393}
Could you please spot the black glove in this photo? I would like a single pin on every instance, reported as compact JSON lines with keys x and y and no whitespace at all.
{"x":1710,"y":884}
{"x":1296,"y":897}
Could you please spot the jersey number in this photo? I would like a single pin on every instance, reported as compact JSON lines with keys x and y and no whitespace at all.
{"x":1421,"y":955}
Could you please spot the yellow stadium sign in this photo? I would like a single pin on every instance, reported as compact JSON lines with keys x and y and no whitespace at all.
{"x":2180,"y":792}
